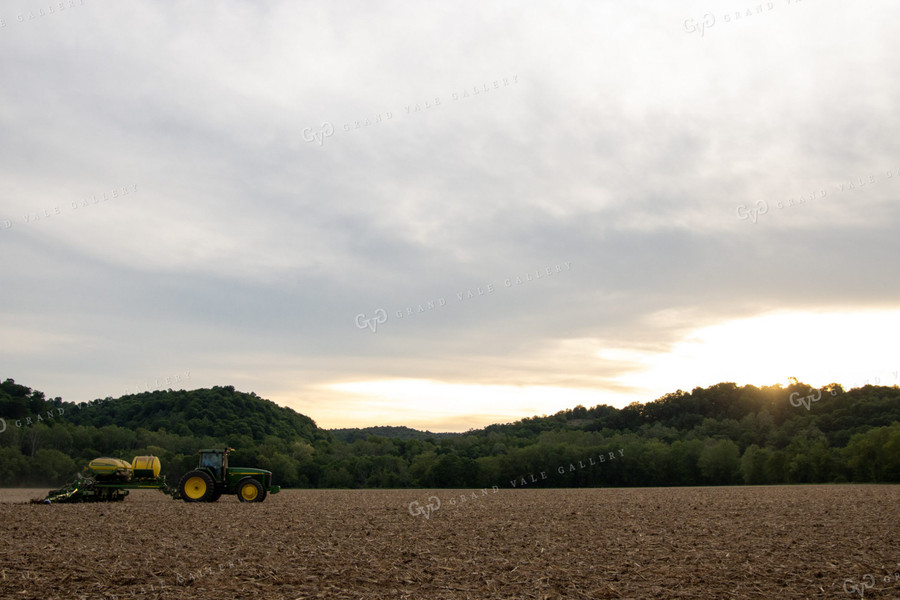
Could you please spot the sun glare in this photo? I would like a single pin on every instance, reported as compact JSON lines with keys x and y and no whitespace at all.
{"x":817,"y":348}
{"x":850,"y":348}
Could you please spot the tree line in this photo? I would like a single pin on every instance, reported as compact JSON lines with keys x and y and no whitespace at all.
{"x":721,"y":435}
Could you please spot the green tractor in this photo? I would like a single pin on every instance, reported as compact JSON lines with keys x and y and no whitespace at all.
{"x":213,"y":477}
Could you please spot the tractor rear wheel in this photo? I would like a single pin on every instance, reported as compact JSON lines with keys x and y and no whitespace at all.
{"x":197,"y":486}
{"x":249,"y":490}
{"x":215,"y":496}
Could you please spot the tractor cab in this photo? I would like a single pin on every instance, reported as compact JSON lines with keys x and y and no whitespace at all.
{"x":216,"y":461}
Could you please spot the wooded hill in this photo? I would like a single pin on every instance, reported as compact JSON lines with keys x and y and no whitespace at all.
{"x":723,"y":434}
{"x":395,"y":433}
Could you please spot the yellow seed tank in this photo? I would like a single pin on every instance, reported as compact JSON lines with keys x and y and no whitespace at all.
{"x":146,"y":467}
{"x":110,"y":467}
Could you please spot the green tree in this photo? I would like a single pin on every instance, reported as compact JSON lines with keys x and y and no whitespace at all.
{"x":451,"y":471}
{"x":14,"y":467}
{"x":869,"y":455}
{"x":720,"y":462}
{"x":753,"y":465}
{"x":52,"y":467}
{"x":284,"y":469}
{"x":892,"y":449}
{"x":684,"y":459}
{"x":338,"y":478}
{"x":777,"y":467}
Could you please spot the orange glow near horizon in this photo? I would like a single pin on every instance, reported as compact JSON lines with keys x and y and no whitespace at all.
{"x":850,"y":348}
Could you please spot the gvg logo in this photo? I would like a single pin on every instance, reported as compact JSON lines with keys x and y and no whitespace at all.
{"x":3,"y":422}
{"x":310,"y":135}
{"x":744,"y":213}
{"x":327,"y":129}
{"x":380,"y":317}
{"x":416,"y":509}
{"x":848,"y":185}
{"x":708,"y":20}
{"x":691,"y":26}
{"x":797,"y":401}
{"x":868,"y":581}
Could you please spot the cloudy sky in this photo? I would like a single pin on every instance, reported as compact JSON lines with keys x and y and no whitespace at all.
{"x":448,"y":215}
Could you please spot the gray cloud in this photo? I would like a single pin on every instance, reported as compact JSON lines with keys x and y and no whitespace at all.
{"x":621,"y":143}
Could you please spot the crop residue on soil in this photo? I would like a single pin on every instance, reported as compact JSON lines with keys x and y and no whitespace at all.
{"x":729,"y":542}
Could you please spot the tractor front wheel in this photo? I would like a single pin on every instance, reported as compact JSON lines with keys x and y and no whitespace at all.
{"x":249,"y":490}
{"x":196,"y":486}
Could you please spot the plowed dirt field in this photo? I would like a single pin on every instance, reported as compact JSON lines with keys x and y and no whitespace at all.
{"x":738,"y":542}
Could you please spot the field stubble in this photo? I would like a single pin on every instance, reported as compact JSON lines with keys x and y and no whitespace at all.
{"x":730,"y":542}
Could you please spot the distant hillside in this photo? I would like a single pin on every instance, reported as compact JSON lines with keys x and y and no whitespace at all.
{"x":215,"y":412}
{"x":726,"y":410}
{"x":721,"y":435}
{"x":386,"y":431}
